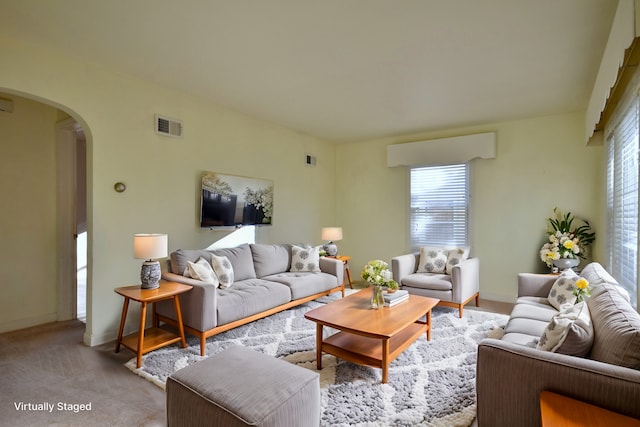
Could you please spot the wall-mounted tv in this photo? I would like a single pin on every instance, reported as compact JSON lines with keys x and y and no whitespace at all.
{"x":233,"y":201}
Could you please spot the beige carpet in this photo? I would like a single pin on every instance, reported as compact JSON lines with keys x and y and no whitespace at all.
{"x":50,"y":364}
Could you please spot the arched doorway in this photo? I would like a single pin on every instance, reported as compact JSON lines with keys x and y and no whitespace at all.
{"x":46,"y":185}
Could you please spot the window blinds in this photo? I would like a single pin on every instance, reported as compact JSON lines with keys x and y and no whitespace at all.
{"x":439,"y":208}
{"x":622,"y":195}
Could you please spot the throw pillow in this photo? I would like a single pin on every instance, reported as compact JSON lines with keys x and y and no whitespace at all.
{"x":561,"y":293}
{"x":202,"y":270}
{"x":433,"y":260}
{"x":616,"y":326}
{"x":223,"y":269}
{"x":569,"y":332}
{"x":305,"y":259}
{"x":454,"y":257}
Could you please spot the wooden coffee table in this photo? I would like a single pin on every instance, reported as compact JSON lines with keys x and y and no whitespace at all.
{"x":368,"y":336}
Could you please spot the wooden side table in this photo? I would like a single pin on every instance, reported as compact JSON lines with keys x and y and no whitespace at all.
{"x":152,"y":338}
{"x":561,"y":411}
{"x":345,"y":260}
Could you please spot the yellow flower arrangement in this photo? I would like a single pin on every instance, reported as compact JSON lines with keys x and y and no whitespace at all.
{"x":582,"y":289}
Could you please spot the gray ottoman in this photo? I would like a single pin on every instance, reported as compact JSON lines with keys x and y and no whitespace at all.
{"x":241,"y":387}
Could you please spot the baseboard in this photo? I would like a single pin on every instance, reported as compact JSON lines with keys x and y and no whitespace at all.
{"x":15,"y":325}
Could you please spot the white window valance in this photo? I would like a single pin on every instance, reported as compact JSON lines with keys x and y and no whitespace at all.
{"x":458,"y":149}
{"x":625,"y":28}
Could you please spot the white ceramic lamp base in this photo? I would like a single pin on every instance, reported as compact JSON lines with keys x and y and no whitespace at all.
{"x":150,"y":275}
{"x":331,"y":249}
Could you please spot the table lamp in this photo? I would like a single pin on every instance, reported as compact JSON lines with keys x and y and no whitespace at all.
{"x":148,"y":247}
{"x":331,"y":234}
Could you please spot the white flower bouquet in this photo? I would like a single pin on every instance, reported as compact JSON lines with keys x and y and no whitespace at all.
{"x":377,"y":273}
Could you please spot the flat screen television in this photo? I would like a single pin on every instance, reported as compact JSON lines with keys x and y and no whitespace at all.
{"x":234,"y":201}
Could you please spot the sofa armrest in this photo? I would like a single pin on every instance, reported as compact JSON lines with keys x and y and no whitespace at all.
{"x":465,"y":279}
{"x":404,"y":265}
{"x":535,"y":285}
{"x":333,"y":266}
{"x":510,"y":377}
{"x":198,"y":306}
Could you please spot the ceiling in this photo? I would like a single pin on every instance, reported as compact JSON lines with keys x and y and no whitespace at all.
{"x":341,"y":70}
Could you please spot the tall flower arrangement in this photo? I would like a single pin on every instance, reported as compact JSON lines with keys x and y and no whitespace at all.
{"x":564,"y":239}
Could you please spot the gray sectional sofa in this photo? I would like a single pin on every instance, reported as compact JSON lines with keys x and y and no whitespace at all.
{"x":511,"y":371}
{"x":263,"y":284}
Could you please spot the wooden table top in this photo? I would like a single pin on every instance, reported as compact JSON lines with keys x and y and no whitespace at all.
{"x":166,"y":290}
{"x":353,"y":314}
{"x":561,"y":411}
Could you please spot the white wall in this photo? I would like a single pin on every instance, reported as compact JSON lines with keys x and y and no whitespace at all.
{"x":162,"y":174}
{"x":541,"y":163}
{"x":28,"y":216}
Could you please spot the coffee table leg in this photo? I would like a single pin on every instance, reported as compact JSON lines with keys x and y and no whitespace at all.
{"x":385,"y":361}
{"x":318,"y":346}
{"x":429,"y":325}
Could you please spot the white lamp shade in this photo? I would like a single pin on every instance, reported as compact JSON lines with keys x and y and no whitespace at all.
{"x":332,"y":233}
{"x":150,"y":246}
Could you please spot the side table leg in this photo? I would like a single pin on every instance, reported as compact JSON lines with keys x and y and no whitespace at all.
{"x":346,"y":267}
{"x":143,"y":317}
{"x":176,"y":304}
{"x":123,"y":318}
{"x":318,"y":346}
{"x":429,"y":325}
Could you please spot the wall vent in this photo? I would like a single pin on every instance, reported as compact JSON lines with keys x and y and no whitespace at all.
{"x":168,"y":127}
{"x":6,"y":105}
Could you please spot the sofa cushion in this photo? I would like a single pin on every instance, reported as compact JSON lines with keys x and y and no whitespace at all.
{"x":248,"y":297}
{"x":203,"y":271}
{"x":561,"y":293}
{"x":303,"y":284}
{"x":569,"y":332}
{"x":432,"y":260}
{"x":596,"y":275}
{"x":617,"y":328}
{"x":179,"y":259}
{"x":305,"y":259}
{"x":441,"y":282}
{"x":241,"y":261}
{"x":542,"y":312}
{"x":270,"y":259}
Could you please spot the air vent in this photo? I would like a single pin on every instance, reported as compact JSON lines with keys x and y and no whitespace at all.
{"x":6,"y":105}
{"x":168,"y":127}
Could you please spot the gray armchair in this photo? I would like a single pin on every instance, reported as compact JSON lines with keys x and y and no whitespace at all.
{"x":454,"y":290}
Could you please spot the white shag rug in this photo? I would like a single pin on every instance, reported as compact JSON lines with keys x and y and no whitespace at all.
{"x":432,"y":383}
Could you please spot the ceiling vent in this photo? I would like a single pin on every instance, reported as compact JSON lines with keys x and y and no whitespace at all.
{"x":168,"y":127}
{"x":6,"y":105}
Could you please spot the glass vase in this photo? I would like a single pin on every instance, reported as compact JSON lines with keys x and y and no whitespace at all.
{"x":377,"y":301}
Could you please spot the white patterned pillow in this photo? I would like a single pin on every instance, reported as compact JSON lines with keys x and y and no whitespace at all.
{"x":202,"y":270}
{"x":223,"y":269}
{"x":569,"y":332}
{"x":454,"y":257}
{"x":432,"y":260}
{"x":561,"y":293}
{"x":305,"y":259}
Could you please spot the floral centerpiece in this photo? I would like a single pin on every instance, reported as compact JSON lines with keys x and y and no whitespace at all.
{"x":565,"y":240}
{"x":377,"y":274}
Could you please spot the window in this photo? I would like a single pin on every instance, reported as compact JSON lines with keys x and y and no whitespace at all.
{"x":622,"y":194}
{"x":439,"y":210}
